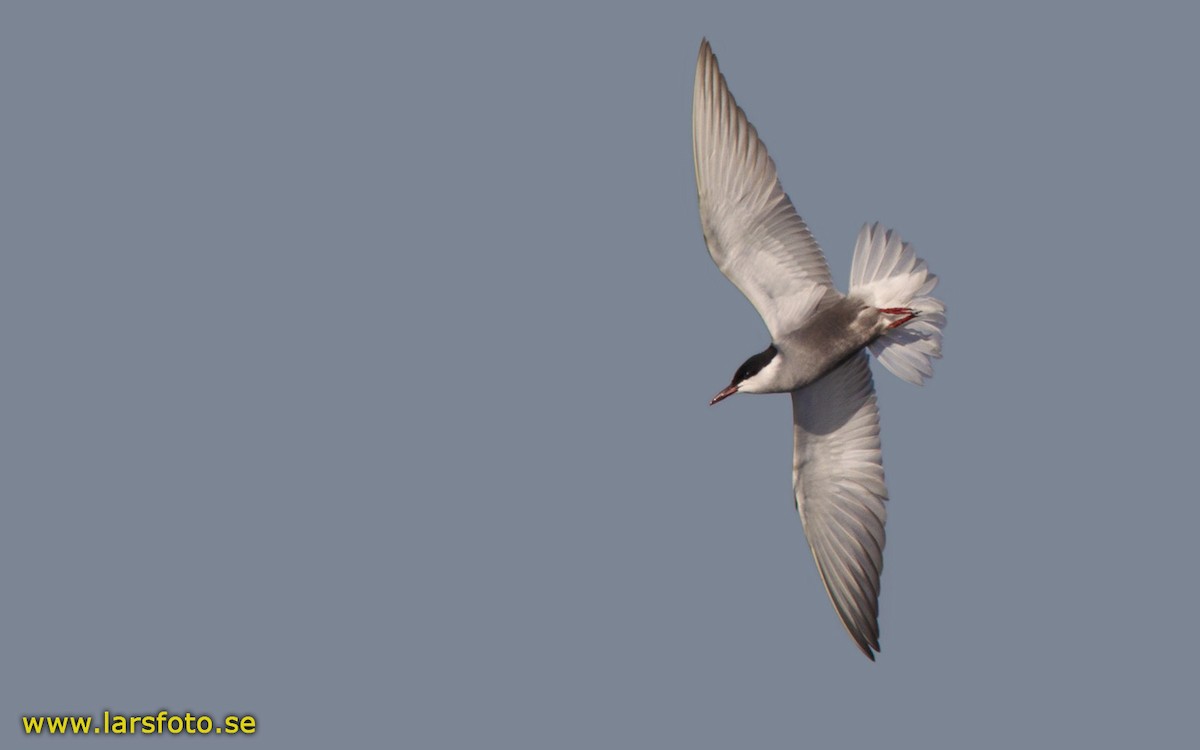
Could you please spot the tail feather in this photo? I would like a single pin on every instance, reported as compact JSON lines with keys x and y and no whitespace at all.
{"x":887,"y":273}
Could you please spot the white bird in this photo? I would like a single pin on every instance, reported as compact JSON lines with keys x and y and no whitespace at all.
{"x":818,"y":337}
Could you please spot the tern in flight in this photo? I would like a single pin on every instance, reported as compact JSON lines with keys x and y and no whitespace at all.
{"x":819,"y":339}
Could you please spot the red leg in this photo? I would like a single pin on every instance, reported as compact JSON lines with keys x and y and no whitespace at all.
{"x":907,"y":312}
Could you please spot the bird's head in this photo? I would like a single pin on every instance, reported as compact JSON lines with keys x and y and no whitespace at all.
{"x":756,"y":375}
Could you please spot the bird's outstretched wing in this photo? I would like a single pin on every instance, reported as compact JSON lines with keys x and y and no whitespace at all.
{"x":753,"y":232}
{"x":838,"y":478}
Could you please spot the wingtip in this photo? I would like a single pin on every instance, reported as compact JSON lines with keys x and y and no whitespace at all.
{"x":867,"y":645}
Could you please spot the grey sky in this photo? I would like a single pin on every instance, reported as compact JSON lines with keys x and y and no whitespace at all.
{"x":357,"y":360}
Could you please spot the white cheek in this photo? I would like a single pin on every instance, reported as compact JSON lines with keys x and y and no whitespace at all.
{"x":749,"y":386}
{"x":757,"y":383}
{"x":763,"y":381}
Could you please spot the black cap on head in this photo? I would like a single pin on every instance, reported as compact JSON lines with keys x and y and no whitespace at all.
{"x":754,"y":365}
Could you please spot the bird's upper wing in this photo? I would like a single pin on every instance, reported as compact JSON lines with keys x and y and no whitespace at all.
{"x":753,"y":233}
{"x":838,"y":479}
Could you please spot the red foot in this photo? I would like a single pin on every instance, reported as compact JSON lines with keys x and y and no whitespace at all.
{"x":907,"y":312}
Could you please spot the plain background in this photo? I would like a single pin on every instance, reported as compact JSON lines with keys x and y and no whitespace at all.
{"x":356,"y":360}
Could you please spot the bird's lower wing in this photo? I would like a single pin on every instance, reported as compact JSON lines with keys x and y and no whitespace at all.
{"x":840,"y":493}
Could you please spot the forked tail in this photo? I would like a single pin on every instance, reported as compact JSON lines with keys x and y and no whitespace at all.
{"x":887,"y":273}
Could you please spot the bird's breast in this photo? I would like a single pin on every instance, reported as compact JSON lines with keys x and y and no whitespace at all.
{"x":827,"y":338}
